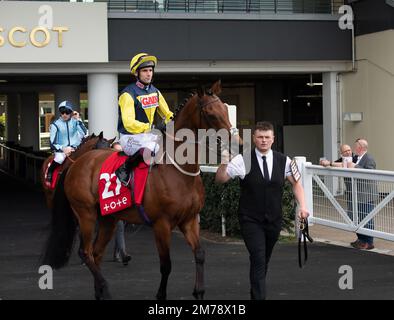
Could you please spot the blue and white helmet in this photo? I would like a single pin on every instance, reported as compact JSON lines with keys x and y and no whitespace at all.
{"x":64,"y":105}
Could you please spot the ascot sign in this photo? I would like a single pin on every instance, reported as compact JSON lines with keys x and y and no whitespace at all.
{"x":53,"y":32}
{"x":17,"y":36}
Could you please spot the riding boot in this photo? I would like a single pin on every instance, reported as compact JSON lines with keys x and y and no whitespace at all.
{"x":51,"y":168}
{"x":123,"y":172}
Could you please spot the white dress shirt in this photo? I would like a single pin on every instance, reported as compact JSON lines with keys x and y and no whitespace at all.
{"x":236,"y":167}
{"x":270,"y":162}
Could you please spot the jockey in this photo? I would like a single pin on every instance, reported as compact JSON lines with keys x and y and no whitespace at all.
{"x":137,"y":107}
{"x":66,"y":134}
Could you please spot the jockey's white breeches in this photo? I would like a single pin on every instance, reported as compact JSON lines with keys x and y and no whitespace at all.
{"x":60,"y":157}
{"x":131,"y":143}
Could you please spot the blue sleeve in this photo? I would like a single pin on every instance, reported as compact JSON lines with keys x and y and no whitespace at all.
{"x":81,"y":128}
{"x":53,"y":137}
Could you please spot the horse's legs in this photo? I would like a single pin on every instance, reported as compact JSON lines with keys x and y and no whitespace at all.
{"x":107,"y":228}
{"x":87,"y":224}
{"x":191,"y":230}
{"x":162,"y":231}
{"x":105,"y":232}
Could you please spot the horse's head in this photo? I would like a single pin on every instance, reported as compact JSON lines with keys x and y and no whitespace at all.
{"x":213,"y":113}
{"x":203,"y":110}
{"x":103,"y":143}
{"x":92,"y":142}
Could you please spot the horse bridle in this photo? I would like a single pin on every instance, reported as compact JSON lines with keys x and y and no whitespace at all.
{"x":303,"y":235}
{"x":233,"y":131}
{"x":202,"y":113}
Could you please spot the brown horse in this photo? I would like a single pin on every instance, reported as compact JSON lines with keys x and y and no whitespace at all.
{"x":172,"y":199}
{"x":88,"y":143}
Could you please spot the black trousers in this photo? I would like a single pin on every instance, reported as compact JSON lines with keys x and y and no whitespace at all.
{"x":260,"y":241}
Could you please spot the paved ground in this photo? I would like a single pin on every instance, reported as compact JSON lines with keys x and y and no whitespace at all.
{"x":343,"y":238}
{"x":23,"y":221}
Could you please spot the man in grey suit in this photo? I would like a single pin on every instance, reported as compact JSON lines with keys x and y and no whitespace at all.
{"x":367,"y":193}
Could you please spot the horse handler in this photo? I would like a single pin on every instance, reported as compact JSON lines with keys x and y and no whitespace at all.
{"x":260,"y":204}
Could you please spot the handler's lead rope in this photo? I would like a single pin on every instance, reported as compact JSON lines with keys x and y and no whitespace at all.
{"x":303,"y":233}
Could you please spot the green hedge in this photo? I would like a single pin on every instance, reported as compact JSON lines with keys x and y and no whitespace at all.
{"x":223,"y":199}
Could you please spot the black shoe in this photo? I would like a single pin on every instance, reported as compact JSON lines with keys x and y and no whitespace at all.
{"x":125,"y":258}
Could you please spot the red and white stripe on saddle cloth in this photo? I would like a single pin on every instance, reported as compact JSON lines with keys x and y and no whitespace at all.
{"x":114,"y":196}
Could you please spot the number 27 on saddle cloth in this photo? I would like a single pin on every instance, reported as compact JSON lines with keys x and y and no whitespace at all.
{"x":113,"y":195}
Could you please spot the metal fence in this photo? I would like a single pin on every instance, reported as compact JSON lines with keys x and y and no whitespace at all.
{"x":351,"y":199}
{"x":22,"y":164}
{"x":355,"y":200}
{"x":220,"y":6}
{"x":227,"y":6}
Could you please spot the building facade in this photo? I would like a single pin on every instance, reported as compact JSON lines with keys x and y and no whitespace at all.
{"x":289,"y":62}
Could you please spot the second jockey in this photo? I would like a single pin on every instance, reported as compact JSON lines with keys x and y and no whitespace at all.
{"x":138,"y":103}
{"x":66,"y":134}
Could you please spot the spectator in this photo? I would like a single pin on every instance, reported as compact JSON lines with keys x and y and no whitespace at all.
{"x":367,"y":193}
{"x":120,"y":253}
{"x":346,"y":156}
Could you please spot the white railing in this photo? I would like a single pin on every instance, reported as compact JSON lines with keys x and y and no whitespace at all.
{"x":357,"y":200}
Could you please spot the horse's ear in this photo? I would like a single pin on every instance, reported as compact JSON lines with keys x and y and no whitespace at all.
{"x":111,"y":141}
{"x":93,"y":135}
{"x":100,"y":135}
{"x":201,"y":91}
{"x":217,"y":87}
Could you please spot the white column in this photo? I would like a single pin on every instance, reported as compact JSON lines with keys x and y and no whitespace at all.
{"x":330,"y":116}
{"x":103,"y":104}
{"x":29,"y":121}
{"x":68,"y":92}
{"x":330,"y":125}
{"x":12,"y":111}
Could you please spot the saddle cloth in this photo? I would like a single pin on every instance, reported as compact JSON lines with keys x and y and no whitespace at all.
{"x":55,"y":176}
{"x":113,"y":195}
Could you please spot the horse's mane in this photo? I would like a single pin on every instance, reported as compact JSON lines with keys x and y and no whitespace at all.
{"x":179,"y":108}
{"x":86,"y":139}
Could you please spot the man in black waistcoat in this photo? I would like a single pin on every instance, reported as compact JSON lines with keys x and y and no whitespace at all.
{"x":260,"y":204}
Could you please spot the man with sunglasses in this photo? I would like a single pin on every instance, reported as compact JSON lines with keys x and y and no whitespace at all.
{"x":66,"y":134}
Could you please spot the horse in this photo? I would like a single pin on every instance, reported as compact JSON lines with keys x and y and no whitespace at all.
{"x":88,"y":143}
{"x":171,"y":199}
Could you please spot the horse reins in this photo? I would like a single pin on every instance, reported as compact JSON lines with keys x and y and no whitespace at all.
{"x":69,"y":158}
{"x":303,"y":235}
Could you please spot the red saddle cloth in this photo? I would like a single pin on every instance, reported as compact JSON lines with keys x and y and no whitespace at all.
{"x":55,"y":176}
{"x":114,"y":196}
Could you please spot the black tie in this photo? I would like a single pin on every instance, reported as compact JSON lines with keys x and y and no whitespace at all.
{"x":265,"y":169}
